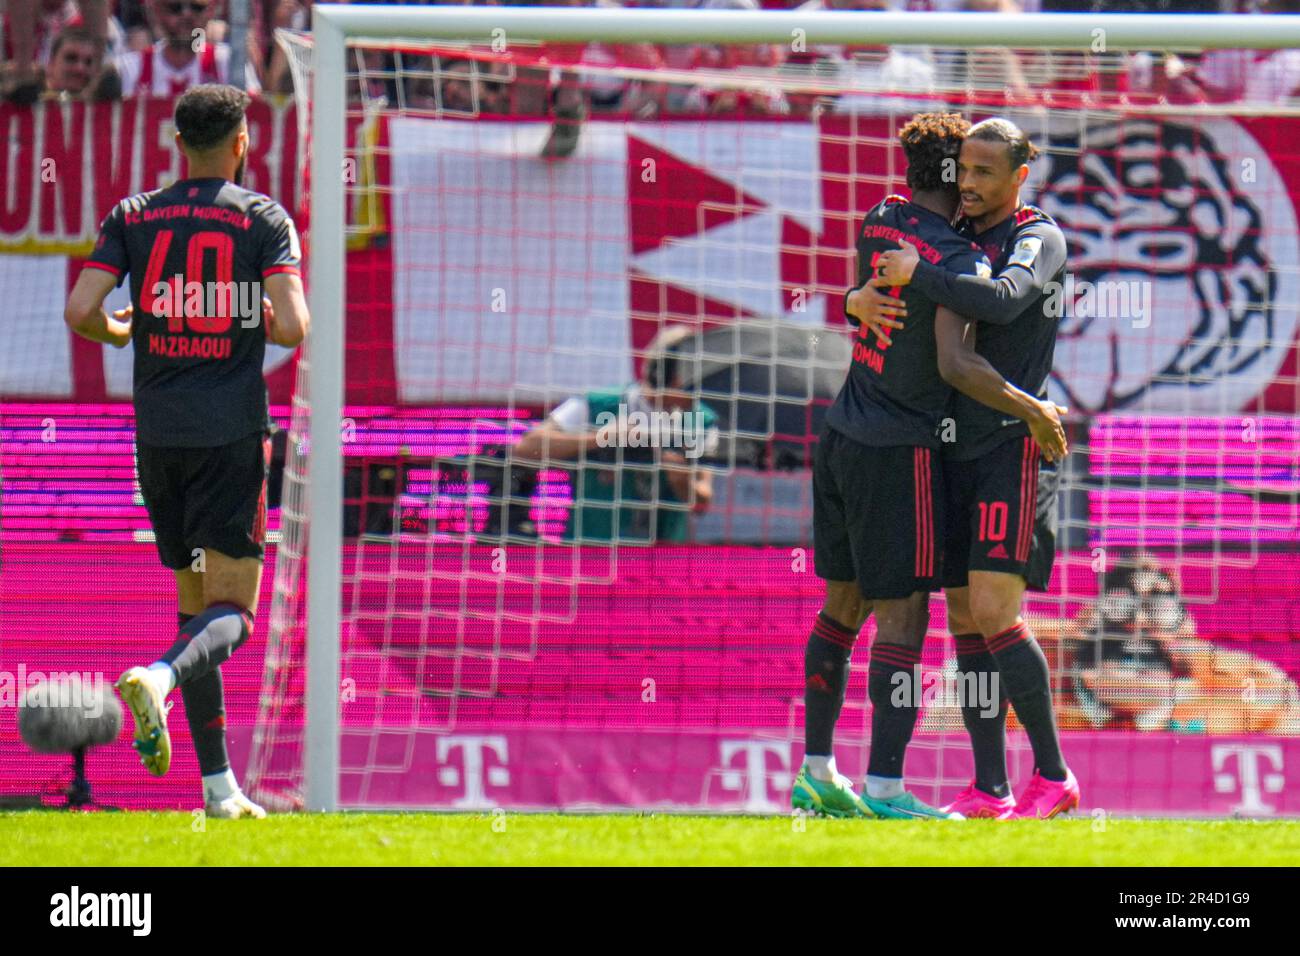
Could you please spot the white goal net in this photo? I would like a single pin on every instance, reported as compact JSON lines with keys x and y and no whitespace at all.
{"x":528,"y":621}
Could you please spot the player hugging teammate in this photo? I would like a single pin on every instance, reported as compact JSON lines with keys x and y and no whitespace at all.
{"x":193,"y":251}
{"x":903,"y":504}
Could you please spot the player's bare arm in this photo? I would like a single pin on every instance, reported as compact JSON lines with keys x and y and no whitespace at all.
{"x":689,"y":482}
{"x":549,"y":441}
{"x":85,"y":313}
{"x":969,"y":372}
{"x":287,"y":319}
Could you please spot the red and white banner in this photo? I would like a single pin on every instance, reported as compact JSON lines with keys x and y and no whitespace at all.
{"x":69,"y":163}
{"x":502,"y":275}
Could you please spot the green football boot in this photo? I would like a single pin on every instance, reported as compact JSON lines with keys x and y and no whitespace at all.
{"x":905,"y":806}
{"x":833,"y":798}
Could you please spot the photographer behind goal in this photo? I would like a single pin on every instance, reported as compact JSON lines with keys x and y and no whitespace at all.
{"x":637,"y":450}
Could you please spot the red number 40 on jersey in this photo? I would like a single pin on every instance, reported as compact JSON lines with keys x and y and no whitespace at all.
{"x":166,"y":298}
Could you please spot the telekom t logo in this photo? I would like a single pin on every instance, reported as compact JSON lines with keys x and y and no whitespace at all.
{"x":471,"y":775}
{"x":752,"y":779}
{"x":1252,"y":778}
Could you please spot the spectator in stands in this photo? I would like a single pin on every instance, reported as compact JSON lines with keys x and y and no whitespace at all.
{"x":750,"y":59}
{"x":1129,"y":6}
{"x":996,"y":68}
{"x":656,"y":487}
{"x":76,"y":61}
{"x":874,"y":69}
{"x":139,"y":39}
{"x":183,"y":57}
{"x":1252,"y":76}
{"x":811,"y":79}
{"x":459,"y":86}
{"x":285,"y":15}
{"x":30,"y":29}
{"x":578,"y":92}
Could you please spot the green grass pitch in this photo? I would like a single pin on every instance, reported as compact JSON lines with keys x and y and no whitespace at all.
{"x":511,"y":839}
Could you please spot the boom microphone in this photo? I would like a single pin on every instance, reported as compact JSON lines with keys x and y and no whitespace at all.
{"x":69,"y":715}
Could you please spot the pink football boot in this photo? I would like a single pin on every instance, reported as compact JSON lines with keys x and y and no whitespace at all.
{"x":973,"y":803}
{"x":1044,"y":799}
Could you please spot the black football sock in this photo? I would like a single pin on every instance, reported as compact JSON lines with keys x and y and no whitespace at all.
{"x":895,"y":694}
{"x":826,"y":677}
{"x":1028,"y":684}
{"x":978,"y":673}
{"x":205,"y":710}
{"x":207,"y":641}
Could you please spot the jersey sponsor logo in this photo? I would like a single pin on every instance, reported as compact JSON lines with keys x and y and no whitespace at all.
{"x":1026,"y":252}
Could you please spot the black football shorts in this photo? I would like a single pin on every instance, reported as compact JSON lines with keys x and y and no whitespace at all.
{"x":877,"y":516}
{"x":1001,"y":514}
{"x":210,"y":498}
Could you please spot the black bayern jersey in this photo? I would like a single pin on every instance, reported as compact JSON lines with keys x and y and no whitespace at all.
{"x":1017,"y":315}
{"x":197,"y":253}
{"x":893,"y":394}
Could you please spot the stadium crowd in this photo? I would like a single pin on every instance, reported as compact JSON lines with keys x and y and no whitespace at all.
{"x":109,"y":49}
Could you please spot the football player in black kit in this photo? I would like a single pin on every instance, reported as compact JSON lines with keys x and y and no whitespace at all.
{"x":878,"y":489}
{"x":1001,"y":495}
{"x":200,"y":255}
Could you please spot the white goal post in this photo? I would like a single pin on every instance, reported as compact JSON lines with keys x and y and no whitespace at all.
{"x":334,"y":26}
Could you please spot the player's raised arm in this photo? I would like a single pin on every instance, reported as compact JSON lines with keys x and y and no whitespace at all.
{"x":1039,"y":254}
{"x":969,"y":372}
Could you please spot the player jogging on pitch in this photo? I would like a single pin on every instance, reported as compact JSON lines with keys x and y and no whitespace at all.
{"x":1001,"y":499}
{"x":200,"y":254}
{"x":877,"y":490}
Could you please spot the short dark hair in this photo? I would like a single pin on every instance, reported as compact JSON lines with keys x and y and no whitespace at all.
{"x":207,"y":114}
{"x":928,"y":140}
{"x":669,"y":356}
{"x":998,"y":130}
{"x":76,"y":33}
